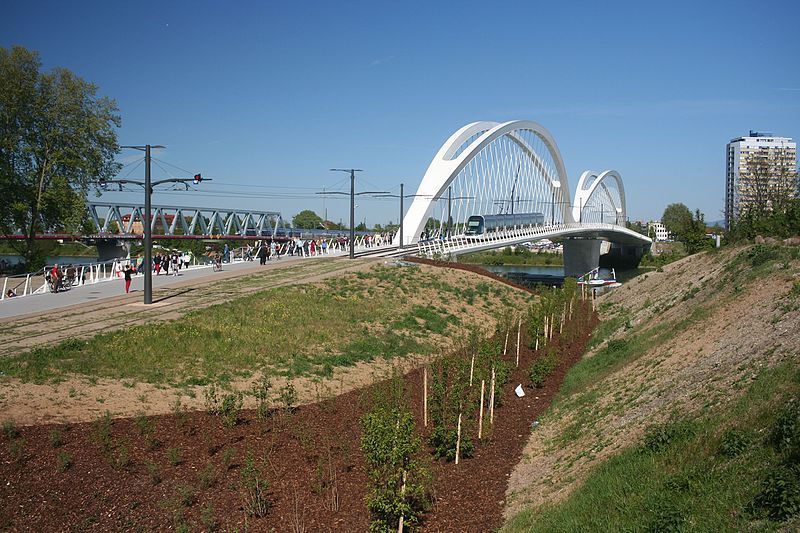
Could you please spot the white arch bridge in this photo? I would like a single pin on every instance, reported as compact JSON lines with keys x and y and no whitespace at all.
{"x":498,"y":184}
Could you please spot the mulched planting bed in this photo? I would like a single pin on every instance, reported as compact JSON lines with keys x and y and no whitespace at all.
{"x":188,"y":471}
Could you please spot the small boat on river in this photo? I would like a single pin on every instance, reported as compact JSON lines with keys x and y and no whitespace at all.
{"x":594,"y":279}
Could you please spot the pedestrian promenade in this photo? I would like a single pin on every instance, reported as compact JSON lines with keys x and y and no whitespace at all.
{"x":37,"y":303}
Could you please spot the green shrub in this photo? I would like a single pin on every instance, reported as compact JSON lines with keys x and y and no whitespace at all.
{"x":64,"y":461}
{"x":443,"y":441}
{"x":254,"y":488}
{"x":659,"y":437}
{"x":229,"y":411}
{"x":154,"y":472}
{"x":206,"y":478}
{"x":760,"y":254}
{"x":666,"y":517}
{"x":288,"y":396}
{"x":541,"y":369}
{"x":733,"y":442}
{"x":175,"y":456}
{"x":102,"y":431}
{"x":56,"y":438}
{"x":785,"y":432}
{"x":779,"y":497}
{"x":261,"y":393}
{"x":398,"y":481}
{"x":185,"y":494}
{"x":144,"y":424}
{"x":10,"y":430}
{"x":451,"y":396}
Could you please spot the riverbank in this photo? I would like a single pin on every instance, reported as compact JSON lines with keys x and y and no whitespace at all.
{"x":519,"y":255}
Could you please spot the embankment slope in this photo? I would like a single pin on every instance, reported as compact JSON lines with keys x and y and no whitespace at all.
{"x":685,"y":340}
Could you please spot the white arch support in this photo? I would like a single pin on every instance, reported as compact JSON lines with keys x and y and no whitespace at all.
{"x":459,"y":151}
{"x":588,"y":184}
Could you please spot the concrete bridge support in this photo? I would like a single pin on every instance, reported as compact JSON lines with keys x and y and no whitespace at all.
{"x":624,"y":256}
{"x":580,"y":256}
{"x":110,"y":249}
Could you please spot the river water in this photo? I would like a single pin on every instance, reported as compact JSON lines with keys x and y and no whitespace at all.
{"x":550,"y":275}
{"x":530,"y":274}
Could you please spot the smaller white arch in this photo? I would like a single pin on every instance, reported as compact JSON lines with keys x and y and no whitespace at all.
{"x":588,"y":183}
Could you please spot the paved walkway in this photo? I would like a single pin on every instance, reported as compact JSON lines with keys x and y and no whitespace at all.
{"x":36,"y":303}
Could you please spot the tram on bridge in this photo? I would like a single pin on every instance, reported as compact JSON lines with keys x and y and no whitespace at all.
{"x":480,"y":224}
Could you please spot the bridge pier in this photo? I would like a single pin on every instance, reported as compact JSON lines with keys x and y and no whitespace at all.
{"x":580,"y":256}
{"x":110,"y":249}
{"x":623,"y":256}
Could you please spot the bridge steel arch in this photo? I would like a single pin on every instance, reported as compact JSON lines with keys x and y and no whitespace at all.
{"x":593,"y":186}
{"x":469,"y":142}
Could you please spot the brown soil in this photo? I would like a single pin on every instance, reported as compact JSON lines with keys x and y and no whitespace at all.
{"x":311,"y":458}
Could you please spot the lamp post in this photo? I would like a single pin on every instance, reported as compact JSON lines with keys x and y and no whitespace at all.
{"x":401,"y":196}
{"x":148,"y":185}
{"x":556,"y":185}
{"x":353,"y":194}
{"x":352,"y":173}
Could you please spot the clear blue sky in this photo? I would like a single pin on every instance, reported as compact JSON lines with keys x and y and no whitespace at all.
{"x":273,"y":94}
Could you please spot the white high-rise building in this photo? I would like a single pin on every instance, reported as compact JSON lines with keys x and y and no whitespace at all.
{"x":755,"y":165}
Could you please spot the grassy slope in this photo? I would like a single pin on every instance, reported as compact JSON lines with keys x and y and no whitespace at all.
{"x":636,"y":436}
{"x":297,"y":330}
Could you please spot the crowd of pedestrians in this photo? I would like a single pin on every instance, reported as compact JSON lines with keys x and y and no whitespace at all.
{"x":174,"y":261}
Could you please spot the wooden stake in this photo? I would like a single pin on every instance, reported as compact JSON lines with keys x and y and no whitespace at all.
{"x":402,"y":493}
{"x":480,"y":418}
{"x":458,"y":438}
{"x":537,"y":344}
{"x":491,"y":401}
{"x":425,"y":396}
{"x":545,"y":330}
{"x":561,"y":327}
{"x":505,"y":346}
{"x":471,"y":369}
{"x":519,"y":334}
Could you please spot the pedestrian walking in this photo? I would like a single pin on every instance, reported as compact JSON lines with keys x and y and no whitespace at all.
{"x":226,"y":254}
{"x":262,"y":254}
{"x":157,"y":263}
{"x":128,"y":277}
{"x":165,"y":264}
{"x":176,"y":263}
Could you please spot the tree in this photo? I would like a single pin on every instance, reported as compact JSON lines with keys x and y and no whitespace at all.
{"x":307,"y":219}
{"x":686,"y":228}
{"x":677,"y":219}
{"x":769,"y":192}
{"x":56,"y":137}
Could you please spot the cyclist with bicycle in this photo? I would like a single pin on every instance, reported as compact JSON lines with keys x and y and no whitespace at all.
{"x":217,"y":262}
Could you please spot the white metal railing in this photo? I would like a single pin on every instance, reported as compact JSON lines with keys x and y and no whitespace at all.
{"x":507,"y":236}
{"x":91,"y":273}
{"x":36,"y":282}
